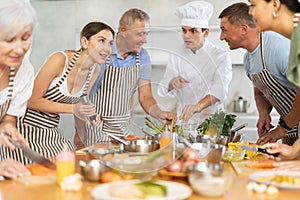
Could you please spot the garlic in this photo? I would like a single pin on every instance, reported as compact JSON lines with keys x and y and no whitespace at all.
{"x":260,"y":188}
{"x":271,"y":190}
{"x":72,"y":183}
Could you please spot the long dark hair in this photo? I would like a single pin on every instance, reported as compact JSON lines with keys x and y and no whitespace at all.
{"x":292,"y":5}
{"x":93,"y":28}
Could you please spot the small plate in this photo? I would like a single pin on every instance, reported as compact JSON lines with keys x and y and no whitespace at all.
{"x":164,"y":172}
{"x":175,"y":191}
{"x":264,"y":177}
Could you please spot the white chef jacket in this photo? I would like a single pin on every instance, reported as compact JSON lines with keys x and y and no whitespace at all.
{"x":209,"y":71}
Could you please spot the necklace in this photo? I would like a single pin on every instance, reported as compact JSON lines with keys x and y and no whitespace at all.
{"x":296,"y":19}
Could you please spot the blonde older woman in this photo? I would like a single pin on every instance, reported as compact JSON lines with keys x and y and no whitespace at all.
{"x":17,"y":20}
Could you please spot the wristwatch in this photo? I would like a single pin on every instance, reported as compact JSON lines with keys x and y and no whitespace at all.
{"x":284,"y":125}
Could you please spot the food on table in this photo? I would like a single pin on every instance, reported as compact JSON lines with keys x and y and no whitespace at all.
{"x":190,"y":156}
{"x":138,"y":190}
{"x":132,"y":137}
{"x":220,"y":123}
{"x":261,"y":188}
{"x":38,"y":169}
{"x":152,"y":189}
{"x":72,"y":183}
{"x":234,"y":155}
{"x":285,"y":179}
{"x":262,"y":164}
{"x":111,"y":176}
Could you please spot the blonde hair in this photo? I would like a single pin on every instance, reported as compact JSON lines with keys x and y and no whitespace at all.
{"x":15,"y":15}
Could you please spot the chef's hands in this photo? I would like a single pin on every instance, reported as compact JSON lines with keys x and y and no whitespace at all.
{"x":263,"y":125}
{"x":8,"y":129}
{"x":285,"y":151}
{"x":188,"y":111}
{"x":177,"y":83}
{"x":272,"y":136}
{"x":11,"y":169}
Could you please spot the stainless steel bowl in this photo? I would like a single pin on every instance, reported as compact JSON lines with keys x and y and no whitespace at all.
{"x":218,"y":139}
{"x":142,"y":146}
{"x":211,"y":152}
{"x":92,"y":170}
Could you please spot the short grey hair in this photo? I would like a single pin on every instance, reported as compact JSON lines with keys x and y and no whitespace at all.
{"x":131,"y":15}
{"x":15,"y":15}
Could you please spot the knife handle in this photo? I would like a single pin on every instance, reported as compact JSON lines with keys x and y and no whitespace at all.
{"x":15,"y":143}
{"x":266,"y":152}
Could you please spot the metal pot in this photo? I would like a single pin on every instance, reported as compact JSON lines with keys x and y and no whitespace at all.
{"x":142,"y":146}
{"x":240,"y":105}
{"x":91,"y":170}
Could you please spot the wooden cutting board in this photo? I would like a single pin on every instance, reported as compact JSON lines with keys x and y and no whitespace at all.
{"x":34,"y":180}
{"x":242,"y":169}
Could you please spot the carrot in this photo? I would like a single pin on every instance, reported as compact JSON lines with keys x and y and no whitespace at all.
{"x":38,"y":169}
{"x":263,"y":164}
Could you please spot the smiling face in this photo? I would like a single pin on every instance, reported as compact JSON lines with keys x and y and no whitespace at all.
{"x":136,"y":35}
{"x":99,"y":45}
{"x":262,"y":12}
{"x":193,"y":38}
{"x":14,"y":48}
{"x":232,"y":34}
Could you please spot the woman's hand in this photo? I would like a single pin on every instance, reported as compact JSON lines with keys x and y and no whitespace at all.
{"x":285,"y":151}
{"x":11,"y":169}
{"x":8,"y":129}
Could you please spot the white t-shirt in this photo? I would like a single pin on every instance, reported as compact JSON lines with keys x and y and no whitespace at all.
{"x":22,"y":89}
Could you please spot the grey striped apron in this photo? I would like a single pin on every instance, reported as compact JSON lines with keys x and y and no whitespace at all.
{"x":4,"y":107}
{"x":41,"y":129}
{"x":280,"y":97}
{"x":114,"y":102}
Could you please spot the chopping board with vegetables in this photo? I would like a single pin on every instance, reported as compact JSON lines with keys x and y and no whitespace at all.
{"x":246,"y":167}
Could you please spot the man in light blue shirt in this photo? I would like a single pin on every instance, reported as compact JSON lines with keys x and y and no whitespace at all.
{"x":127,"y":70}
{"x":266,"y":64}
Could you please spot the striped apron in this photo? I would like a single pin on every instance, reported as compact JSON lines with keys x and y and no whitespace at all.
{"x":41,"y":129}
{"x":280,"y":97}
{"x":4,"y":107}
{"x":114,"y":102}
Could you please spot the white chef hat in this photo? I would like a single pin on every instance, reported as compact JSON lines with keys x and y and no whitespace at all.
{"x":195,"y":14}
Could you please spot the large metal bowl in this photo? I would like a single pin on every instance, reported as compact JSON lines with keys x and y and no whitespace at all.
{"x":92,"y":170}
{"x":211,"y":152}
{"x":142,"y":146}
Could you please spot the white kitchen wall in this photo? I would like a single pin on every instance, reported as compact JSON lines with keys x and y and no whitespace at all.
{"x":60,"y":22}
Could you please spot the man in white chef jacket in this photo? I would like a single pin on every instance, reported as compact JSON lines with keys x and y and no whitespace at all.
{"x":199,"y":73}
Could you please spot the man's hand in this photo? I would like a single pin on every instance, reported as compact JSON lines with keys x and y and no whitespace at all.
{"x":188,"y":111}
{"x":177,"y":83}
{"x":272,"y":136}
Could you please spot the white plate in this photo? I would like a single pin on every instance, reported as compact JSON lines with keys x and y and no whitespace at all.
{"x":175,"y":191}
{"x":258,"y":175}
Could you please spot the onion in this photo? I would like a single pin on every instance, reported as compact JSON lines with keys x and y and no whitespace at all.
{"x":190,"y":154}
{"x":175,"y":166}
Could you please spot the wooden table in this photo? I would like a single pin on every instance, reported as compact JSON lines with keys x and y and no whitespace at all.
{"x":14,"y":190}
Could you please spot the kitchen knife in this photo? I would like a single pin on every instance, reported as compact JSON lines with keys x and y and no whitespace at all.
{"x":257,"y":149}
{"x":32,"y":155}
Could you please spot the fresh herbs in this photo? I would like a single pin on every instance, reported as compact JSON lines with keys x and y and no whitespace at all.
{"x":220,"y":123}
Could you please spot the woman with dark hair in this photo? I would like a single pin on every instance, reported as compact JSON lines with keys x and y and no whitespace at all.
{"x":282,"y":16}
{"x":62,"y":80}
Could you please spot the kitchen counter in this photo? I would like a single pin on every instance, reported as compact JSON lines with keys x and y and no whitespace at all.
{"x":12,"y":189}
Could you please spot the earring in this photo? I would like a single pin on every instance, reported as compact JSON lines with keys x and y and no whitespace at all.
{"x":275,"y":14}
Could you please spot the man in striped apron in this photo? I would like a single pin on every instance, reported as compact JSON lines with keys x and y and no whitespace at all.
{"x":128,"y":70}
{"x":266,"y":67}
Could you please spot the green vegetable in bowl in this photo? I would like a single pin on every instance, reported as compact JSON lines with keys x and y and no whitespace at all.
{"x":220,"y":123}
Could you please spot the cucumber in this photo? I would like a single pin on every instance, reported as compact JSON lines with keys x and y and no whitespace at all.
{"x":152,"y":189}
